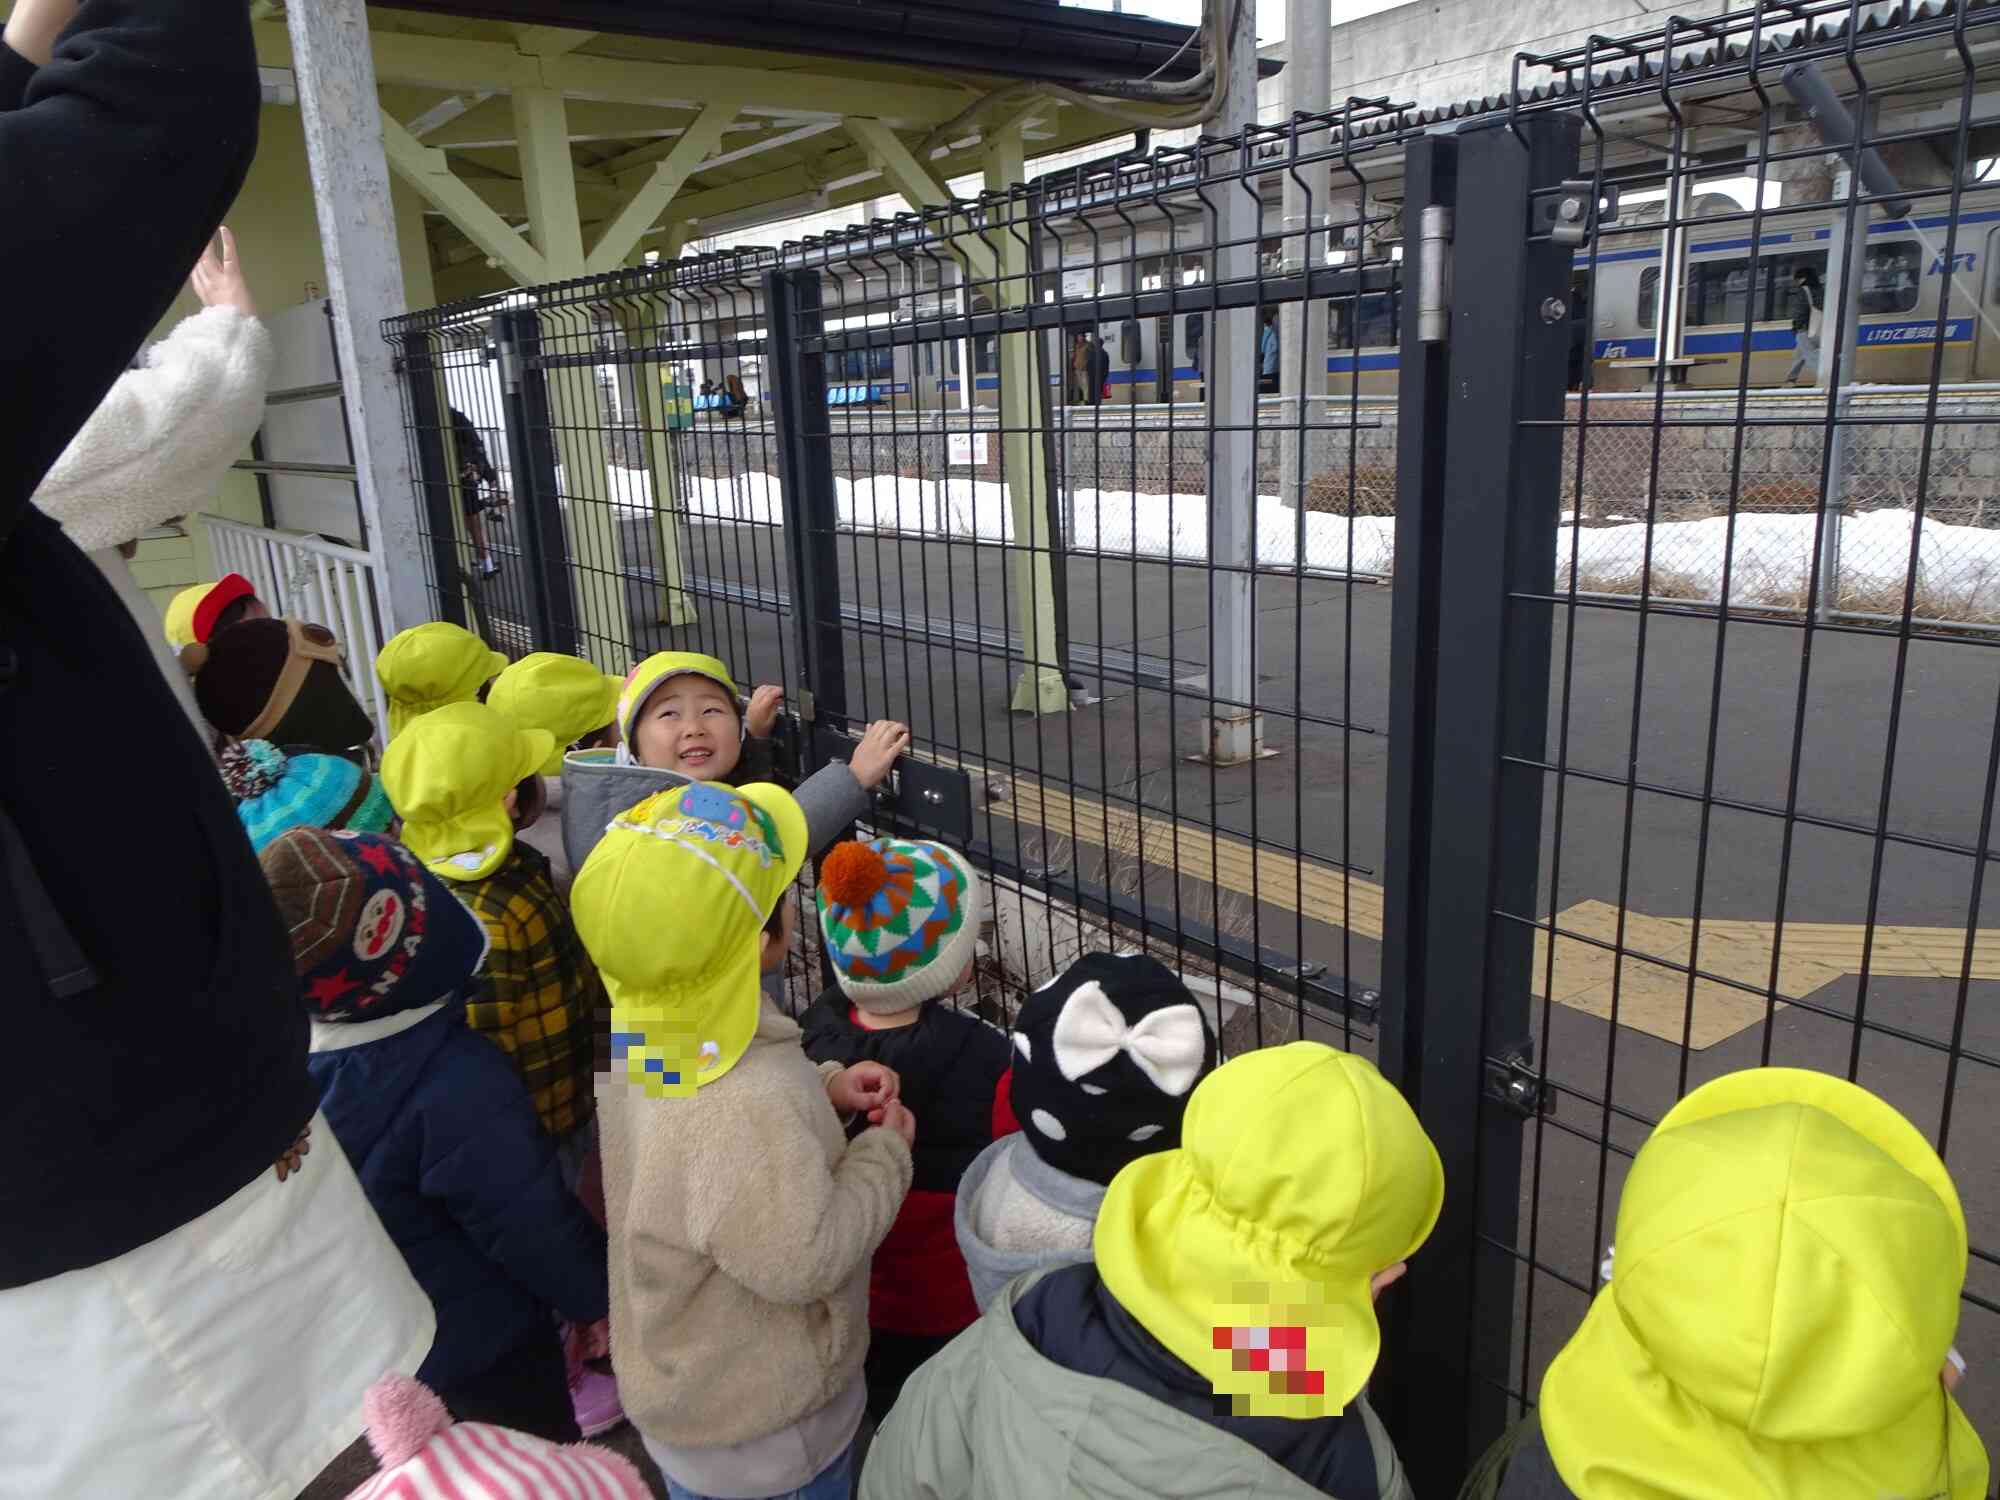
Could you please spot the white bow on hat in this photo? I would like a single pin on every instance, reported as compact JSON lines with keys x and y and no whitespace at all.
{"x":1168,"y":1045}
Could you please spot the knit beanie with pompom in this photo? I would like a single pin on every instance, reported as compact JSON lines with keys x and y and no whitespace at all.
{"x":275,"y":791}
{"x":901,"y":920}
{"x":422,"y":1452}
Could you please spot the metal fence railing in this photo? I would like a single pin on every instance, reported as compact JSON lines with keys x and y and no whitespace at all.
{"x":311,"y":579}
{"x":1538,"y":678}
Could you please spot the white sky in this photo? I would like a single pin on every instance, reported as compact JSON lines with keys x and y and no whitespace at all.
{"x":1270,"y":13}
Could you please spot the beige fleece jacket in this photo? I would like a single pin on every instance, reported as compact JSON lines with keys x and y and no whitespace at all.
{"x":742,"y":1223}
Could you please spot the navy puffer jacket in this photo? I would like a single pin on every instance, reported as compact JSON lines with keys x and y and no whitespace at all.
{"x":446,"y":1144}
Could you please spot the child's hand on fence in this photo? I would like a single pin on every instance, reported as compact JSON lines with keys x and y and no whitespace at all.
{"x":897,"y":1117}
{"x":864,"y":1088}
{"x":884,"y":741}
{"x":761,"y":717}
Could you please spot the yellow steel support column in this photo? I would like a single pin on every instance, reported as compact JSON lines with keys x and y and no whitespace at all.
{"x":643,"y":325}
{"x":1023,"y":418}
{"x":548,"y":173}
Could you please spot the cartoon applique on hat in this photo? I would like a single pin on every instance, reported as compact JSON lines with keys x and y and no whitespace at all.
{"x":1106,"y":1055}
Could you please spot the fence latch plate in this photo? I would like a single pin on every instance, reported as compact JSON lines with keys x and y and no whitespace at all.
{"x":1513,"y":1081}
{"x":917,"y":794}
{"x":1576,"y":210}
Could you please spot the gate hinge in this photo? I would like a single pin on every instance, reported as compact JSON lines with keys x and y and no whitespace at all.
{"x":1576,"y":211}
{"x":1513,"y":1081}
{"x":1434,"y":273}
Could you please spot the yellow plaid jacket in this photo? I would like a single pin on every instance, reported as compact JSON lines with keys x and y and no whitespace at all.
{"x":544,"y":1002}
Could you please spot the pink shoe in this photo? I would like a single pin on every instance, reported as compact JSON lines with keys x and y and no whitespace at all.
{"x":595,"y":1398}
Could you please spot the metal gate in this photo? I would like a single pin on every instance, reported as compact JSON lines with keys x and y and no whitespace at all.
{"x":1524,"y":688}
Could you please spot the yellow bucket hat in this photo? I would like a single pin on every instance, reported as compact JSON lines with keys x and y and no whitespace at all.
{"x":1783,"y":1292}
{"x":430,"y":665}
{"x":565,"y":695}
{"x":656,"y":669}
{"x":191,"y":613}
{"x":670,"y":904}
{"x":1249,"y":1251}
{"x":448,"y":775}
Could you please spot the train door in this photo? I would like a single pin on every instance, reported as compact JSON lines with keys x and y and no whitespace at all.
{"x":1986,"y":317}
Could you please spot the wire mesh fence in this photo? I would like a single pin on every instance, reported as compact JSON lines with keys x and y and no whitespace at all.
{"x":1565,"y":692}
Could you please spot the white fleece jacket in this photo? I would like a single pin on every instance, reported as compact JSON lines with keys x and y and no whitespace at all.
{"x":158,"y":445}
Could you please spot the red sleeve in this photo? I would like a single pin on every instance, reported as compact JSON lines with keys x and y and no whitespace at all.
{"x":1004,"y":1122}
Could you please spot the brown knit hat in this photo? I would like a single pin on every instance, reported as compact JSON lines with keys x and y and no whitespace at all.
{"x":277,"y":680}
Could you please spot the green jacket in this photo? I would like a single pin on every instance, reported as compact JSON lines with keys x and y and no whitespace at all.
{"x":990,"y":1418}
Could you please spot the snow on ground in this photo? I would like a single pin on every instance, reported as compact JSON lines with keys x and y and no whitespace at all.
{"x":1958,"y":567}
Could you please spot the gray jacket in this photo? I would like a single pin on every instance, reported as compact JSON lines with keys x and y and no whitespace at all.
{"x":595,"y":789}
{"x":1049,"y":1216}
{"x":991,"y":1418}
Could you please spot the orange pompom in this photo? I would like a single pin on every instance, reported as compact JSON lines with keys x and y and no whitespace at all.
{"x":852,"y":873}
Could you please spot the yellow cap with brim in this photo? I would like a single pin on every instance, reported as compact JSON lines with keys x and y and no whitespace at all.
{"x":1249,"y":1251}
{"x":430,"y":665}
{"x":448,"y":774}
{"x":565,"y":695}
{"x":656,"y":669}
{"x":671,"y":904}
{"x":1784,"y":1288}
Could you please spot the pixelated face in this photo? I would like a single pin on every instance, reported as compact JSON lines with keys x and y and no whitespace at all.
{"x":662,"y":1063}
{"x":1271,"y":1342}
{"x":688,"y":725}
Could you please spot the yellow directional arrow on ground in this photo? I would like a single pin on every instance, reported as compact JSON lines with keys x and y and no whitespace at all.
{"x":1652,"y":989}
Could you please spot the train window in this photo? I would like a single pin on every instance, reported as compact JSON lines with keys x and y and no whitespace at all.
{"x":1889,"y":277}
{"x":1718,"y":291}
{"x":1649,"y":297}
{"x":1380,"y":322}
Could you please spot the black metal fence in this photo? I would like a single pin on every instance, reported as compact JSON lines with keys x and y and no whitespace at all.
{"x":1499,"y":667}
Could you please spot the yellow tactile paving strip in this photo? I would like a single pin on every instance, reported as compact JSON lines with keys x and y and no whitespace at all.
{"x":1652,"y":996}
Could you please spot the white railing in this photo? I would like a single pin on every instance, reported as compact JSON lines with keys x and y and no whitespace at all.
{"x":314,"y":580}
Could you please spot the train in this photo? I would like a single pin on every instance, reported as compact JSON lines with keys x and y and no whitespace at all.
{"x":1159,"y":360}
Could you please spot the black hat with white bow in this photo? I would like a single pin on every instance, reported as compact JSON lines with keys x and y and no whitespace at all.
{"x":1105,"y":1056}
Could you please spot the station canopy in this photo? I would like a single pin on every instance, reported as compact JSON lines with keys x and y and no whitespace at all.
{"x":681,"y":121}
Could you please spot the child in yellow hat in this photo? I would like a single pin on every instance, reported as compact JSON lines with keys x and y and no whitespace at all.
{"x":431,"y":665}
{"x":742,"y":1218}
{"x":1782,"y":1302}
{"x":678,"y":721}
{"x":1221,"y":1343}
{"x":455,"y":777}
{"x":575,"y":703}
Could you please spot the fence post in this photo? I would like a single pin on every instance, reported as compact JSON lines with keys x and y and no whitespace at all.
{"x":531,"y":454}
{"x":1476,"y":514}
{"x":805,"y":471}
{"x":432,"y":473}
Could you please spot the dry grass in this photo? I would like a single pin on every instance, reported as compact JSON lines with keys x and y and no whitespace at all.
{"x":1369,"y":491}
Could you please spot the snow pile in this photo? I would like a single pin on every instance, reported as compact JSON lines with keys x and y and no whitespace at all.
{"x":1958,"y":567}
{"x":1771,"y":561}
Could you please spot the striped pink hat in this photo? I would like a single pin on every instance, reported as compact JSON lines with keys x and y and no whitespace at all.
{"x":425,"y":1457}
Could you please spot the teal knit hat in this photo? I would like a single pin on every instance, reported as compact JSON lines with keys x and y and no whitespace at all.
{"x":275,"y":792}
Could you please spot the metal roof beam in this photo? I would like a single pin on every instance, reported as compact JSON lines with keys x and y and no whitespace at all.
{"x":642,"y":210}
{"x":425,"y":169}
{"x":491,"y":124}
{"x":468,"y":66}
{"x":550,"y":41}
{"x":922,"y":190}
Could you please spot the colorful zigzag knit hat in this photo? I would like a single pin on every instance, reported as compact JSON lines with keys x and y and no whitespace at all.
{"x":901,"y":919}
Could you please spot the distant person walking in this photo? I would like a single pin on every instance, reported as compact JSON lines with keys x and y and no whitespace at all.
{"x":1267,"y":355}
{"x":1805,"y":300}
{"x":1079,"y":370}
{"x":478,"y":488}
{"x":1100,"y":371}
